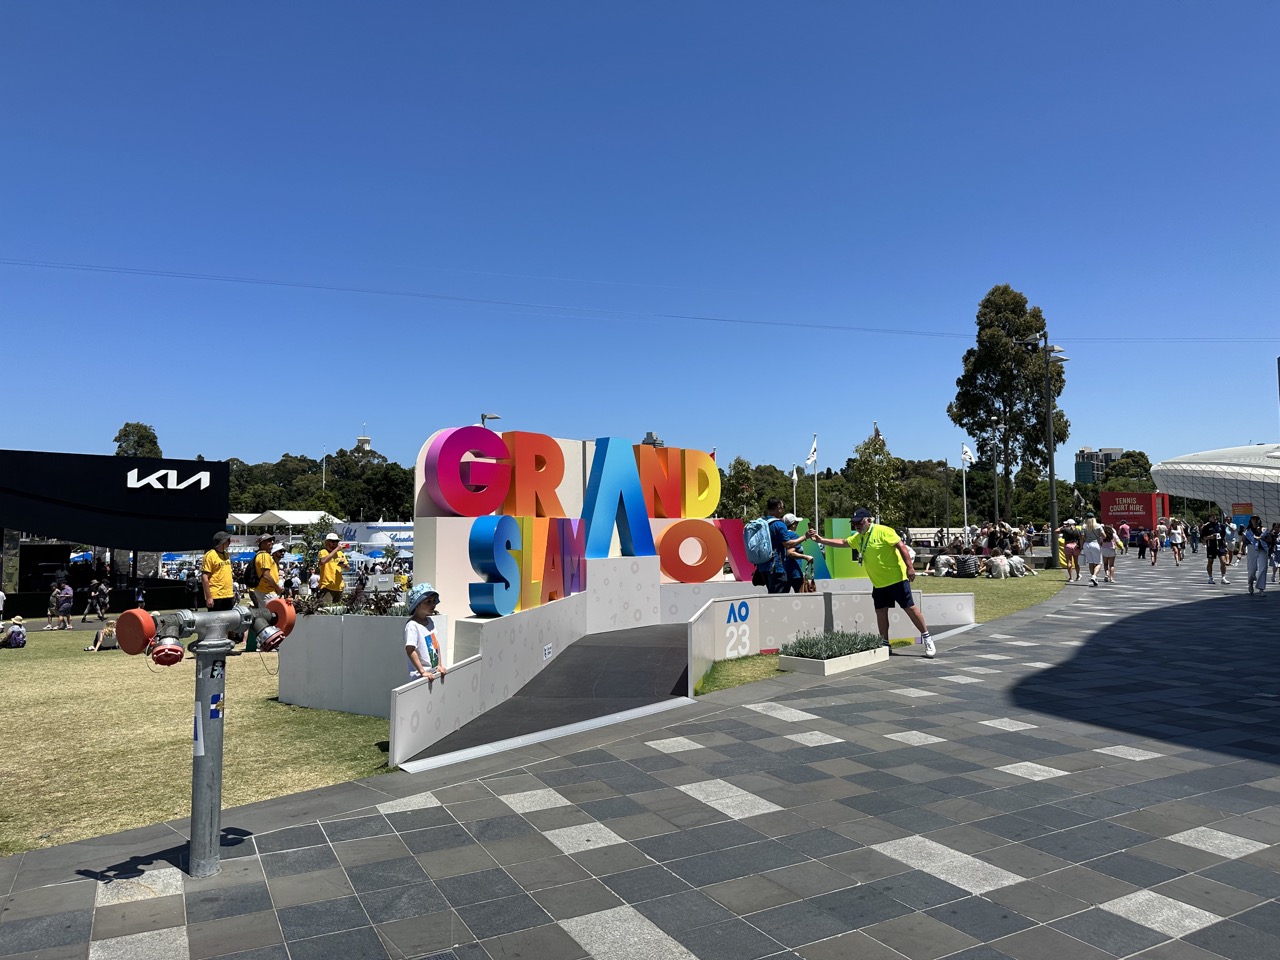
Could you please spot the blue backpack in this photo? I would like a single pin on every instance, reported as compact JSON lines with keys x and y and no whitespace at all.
{"x":17,"y":638}
{"x":759,"y":541}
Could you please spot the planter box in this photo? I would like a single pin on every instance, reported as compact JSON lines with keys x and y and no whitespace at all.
{"x":825,"y":668}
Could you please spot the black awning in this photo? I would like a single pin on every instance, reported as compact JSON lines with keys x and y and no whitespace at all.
{"x":143,"y":503}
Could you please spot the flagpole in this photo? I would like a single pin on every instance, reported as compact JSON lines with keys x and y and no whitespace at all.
{"x":964,"y":491}
{"x":793,"y":488}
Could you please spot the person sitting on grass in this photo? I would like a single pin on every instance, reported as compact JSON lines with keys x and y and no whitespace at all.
{"x":14,"y":636}
{"x":1018,"y":567}
{"x":104,"y":639}
{"x":967,"y":564}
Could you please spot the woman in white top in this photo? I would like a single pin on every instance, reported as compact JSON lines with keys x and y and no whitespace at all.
{"x":1177,"y":537}
{"x":1092,"y":551}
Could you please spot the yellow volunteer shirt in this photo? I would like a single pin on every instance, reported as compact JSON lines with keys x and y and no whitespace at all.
{"x":219,"y":570}
{"x":881,"y":558}
{"x":268,"y":573}
{"x":331,"y":570}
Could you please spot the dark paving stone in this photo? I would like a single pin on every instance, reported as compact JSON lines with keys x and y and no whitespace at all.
{"x":420,"y":819}
{"x":917,"y":889}
{"x":818,"y":843}
{"x":646,"y":883}
{"x":548,"y":942}
{"x":498,"y":828}
{"x":577,"y":899}
{"x":401,"y":902}
{"x":1235,"y":941}
{"x":860,"y":906}
{"x":1136,"y":870}
{"x":292,"y":838}
{"x":612,"y":808}
{"x":362,"y":944}
{"x":720,"y":836}
{"x":1245,"y":876}
{"x":227,"y":902}
{"x":733,"y":939}
{"x":277,"y":951}
{"x":43,"y":932}
{"x":1265,"y":918}
{"x":1106,"y":931}
{"x":981,"y":919}
{"x":1068,"y":847}
{"x":683,"y":911}
{"x":470,"y":888}
{"x":497,"y":917}
{"x":672,"y":846}
{"x":322,"y":917}
{"x":385,"y":873}
{"x":437,"y":838}
{"x":795,"y":924}
{"x":357,"y":828}
{"x":292,"y":862}
{"x":1011,"y":826}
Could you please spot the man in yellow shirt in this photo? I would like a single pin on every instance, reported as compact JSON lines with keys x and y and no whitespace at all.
{"x":215,"y":574}
{"x":888,"y":564}
{"x":268,"y":568}
{"x":332,"y":563}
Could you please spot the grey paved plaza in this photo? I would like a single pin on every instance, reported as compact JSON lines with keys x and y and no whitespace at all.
{"x":1096,"y":777}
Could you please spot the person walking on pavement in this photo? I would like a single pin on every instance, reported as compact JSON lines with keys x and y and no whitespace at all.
{"x":1092,"y":536}
{"x":1215,"y":548}
{"x":1259,"y":554}
{"x":885,"y":558}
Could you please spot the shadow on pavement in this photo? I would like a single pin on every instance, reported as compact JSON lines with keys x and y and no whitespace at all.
{"x":1204,"y":675}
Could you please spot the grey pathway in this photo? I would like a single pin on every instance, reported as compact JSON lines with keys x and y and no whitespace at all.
{"x":1096,"y":777}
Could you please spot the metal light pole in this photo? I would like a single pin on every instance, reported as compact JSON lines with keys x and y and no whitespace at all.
{"x":1051,"y":355}
{"x":995,"y":462}
{"x":489,"y":416}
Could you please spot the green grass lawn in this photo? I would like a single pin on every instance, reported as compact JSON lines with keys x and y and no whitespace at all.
{"x":993,"y":599}
{"x":95,"y":743}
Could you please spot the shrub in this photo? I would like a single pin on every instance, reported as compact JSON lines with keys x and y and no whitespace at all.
{"x":825,"y":646}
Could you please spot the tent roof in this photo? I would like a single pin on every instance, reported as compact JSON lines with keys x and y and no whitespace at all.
{"x":240,"y":519}
{"x":291,"y":518}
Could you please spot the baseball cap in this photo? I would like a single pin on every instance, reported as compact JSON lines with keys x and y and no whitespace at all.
{"x":789,"y":518}
{"x":862,"y":513}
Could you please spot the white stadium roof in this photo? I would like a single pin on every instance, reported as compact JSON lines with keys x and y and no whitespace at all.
{"x":1227,"y":477}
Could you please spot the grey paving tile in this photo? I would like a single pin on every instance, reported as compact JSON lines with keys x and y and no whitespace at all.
{"x":683,"y":911}
{"x":43,"y":901}
{"x":49,"y":930}
{"x":920,"y":937}
{"x":1265,"y":917}
{"x":291,"y":838}
{"x":1136,"y":870}
{"x":356,"y":828}
{"x":749,"y":894}
{"x":554,"y":871}
{"x":796,"y":924}
{"x":370,"y":850}
{"x":384,"y":874}
{"x":576,"y":899}
{"x":546,"y":941}
{"x":860,"y":906}
{"x":361,"y":944}
{"x":1235,"y":941}
{"x":292,"y":862}
{"x":139,"y":916}
{"x":1244,"y":876}
{"x":645,"y":883}
{"x":732,"y":939}
{"x":494,"y":918}
{"x":322,"y":917}
{"x":233,"y":934}
{"x":309,"y":887}
{"x":400,"y":902}
{"x":981,"y":918}
{"x":227,"y":902}
{"x":1116,"y":935}
{"x":917,"y":889}
{"x":1046,"y":943}
{"x":469,"y":888}
{"x":276,"y":951}
{"x":425,"y":935}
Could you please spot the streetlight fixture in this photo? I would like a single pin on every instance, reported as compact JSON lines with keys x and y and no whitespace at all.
{"x":995,"y":461}
{"x":489,"y":416}
{"x":1052,"y":354}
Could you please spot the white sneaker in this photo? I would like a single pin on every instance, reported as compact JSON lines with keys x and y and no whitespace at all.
{"x":930,"y":650}
{"x":1225,"y":580}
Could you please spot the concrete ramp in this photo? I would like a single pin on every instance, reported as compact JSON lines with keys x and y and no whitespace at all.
{"x":599,"y":675}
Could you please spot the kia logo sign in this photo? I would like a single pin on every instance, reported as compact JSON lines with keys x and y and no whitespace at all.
{"x":166,"y":480}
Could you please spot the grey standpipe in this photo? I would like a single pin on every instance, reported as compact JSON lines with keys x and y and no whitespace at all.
{"x":159,"y":636}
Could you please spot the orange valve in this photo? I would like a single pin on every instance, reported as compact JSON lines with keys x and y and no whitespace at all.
{"x":286,"y":616}
{"x":134,"y":631}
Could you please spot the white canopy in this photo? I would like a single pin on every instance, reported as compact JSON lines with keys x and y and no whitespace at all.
{"x":291,"y":518}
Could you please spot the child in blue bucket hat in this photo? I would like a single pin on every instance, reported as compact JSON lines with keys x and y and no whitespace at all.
{"x":420,"y":641}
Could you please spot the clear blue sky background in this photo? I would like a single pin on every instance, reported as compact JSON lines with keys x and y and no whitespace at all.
{"x":604,"y":169}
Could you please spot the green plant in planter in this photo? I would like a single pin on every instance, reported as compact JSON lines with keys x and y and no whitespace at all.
{"x":828,"y":645}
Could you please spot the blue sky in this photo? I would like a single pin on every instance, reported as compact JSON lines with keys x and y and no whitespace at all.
{"x":547,"y":192}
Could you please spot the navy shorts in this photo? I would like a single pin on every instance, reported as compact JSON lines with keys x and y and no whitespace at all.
{"x":899,"y":593}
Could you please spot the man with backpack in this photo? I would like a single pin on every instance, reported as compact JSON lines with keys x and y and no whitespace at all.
{"x":887,"y":561}
{"x":767,"y":540}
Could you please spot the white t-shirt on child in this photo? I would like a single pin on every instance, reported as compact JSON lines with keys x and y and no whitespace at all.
{"x":421,"y":637}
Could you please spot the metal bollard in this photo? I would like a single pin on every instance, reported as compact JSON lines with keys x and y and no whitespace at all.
{"x":159,"y":635}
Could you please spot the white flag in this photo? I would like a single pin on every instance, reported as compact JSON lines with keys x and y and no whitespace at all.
{"x":794,"y":479}
{"x":813,"y":453}
{"x":965,"y":453}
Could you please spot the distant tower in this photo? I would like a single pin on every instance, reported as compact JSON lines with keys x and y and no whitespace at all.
{"x":652,"y":440}
{"x":364,"y":444}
